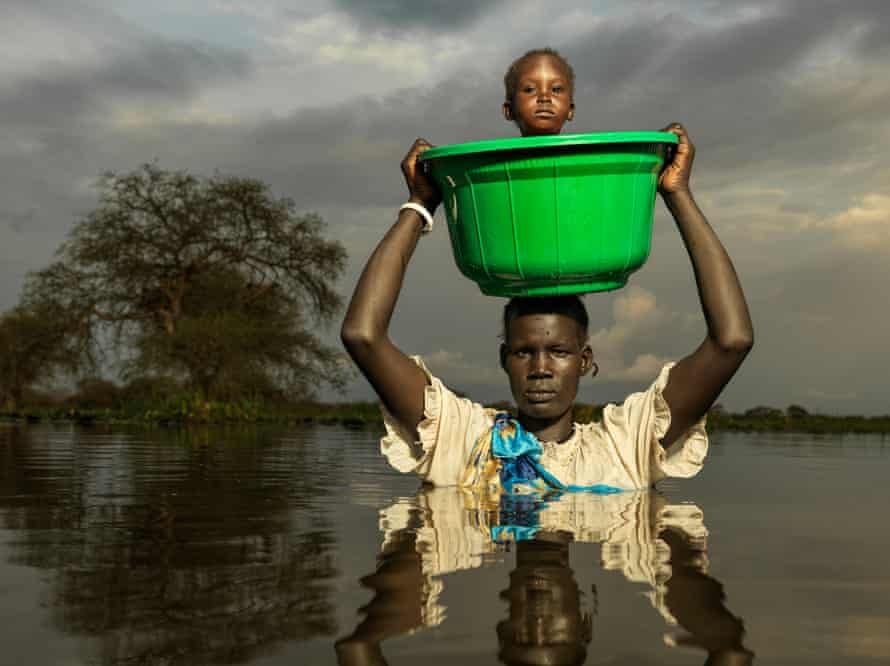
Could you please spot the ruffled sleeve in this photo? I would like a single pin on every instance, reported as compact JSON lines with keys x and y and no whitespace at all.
{"x":685,"y":457}
{"x":398,"y":445}
{"x":636,"y":428}
{"x":446,"y":434}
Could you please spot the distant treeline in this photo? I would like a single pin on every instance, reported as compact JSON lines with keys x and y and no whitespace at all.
{"x":99,"y":400}
{"x":163,"y":401}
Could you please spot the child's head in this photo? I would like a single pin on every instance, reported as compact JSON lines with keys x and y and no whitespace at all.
{"x":539,"y":88}
{"x":545,"y":353}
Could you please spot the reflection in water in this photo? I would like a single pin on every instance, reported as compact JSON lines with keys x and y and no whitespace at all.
{"x":443,"y":530}
{"x":178,"y":550}
{"x":546,"y":624}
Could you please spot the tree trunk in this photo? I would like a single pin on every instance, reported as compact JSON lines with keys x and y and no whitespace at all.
{"x":14,"y":398}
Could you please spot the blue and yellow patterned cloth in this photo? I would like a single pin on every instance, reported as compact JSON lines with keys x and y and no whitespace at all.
{"x":505,"y":470}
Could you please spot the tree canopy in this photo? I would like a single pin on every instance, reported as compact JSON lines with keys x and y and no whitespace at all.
{"x":212,"y":279}
{"x":235,"y":338}
{"x":36,"y":342}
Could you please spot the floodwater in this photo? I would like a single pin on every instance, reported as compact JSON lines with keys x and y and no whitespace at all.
{"x":299,"y":546}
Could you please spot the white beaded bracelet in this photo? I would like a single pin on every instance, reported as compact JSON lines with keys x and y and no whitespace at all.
{"x":423,"y":212}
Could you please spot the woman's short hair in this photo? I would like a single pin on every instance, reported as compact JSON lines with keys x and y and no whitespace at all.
{"x":570,"y":306}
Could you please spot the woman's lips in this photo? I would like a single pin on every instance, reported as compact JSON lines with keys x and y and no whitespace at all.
{"x":539,"y":395}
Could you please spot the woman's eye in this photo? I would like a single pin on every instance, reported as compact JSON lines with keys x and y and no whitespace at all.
{"x":560,"y":353}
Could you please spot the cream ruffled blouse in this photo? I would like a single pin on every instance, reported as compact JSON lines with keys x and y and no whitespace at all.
{"x":622,"y":450}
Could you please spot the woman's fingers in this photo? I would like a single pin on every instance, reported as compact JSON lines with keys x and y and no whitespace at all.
{"x":418,"y":180}
{"x":677,"y":166}
{"x":684,"y":143}
{"x":409,"y":163}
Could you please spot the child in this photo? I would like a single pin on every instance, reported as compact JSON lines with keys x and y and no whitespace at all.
{"x":449,"y":440}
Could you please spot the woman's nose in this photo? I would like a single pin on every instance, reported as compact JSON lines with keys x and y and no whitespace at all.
{"x":539,"y":365}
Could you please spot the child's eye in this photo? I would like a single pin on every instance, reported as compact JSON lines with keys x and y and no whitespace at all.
{"x":528,"y":89}
{"x":557,"y":89}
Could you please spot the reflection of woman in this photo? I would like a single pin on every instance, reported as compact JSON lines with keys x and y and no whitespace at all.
{"x":546,"y":624}
{"x":397,"y":606}
{"x":696,"y":601}
{"x":649,"y":541}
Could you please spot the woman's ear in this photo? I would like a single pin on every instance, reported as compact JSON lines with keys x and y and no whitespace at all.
{"x":508,"y":111}
{"x":587,"y":360}
{"x":503,"y":355}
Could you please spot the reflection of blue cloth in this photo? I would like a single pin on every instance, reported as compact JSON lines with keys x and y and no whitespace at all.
{"x":518,"y":518}
{"x":502,"y":533}
{"x":527,"y":485}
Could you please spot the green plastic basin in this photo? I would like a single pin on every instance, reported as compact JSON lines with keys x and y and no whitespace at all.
{"x":564,"y":214}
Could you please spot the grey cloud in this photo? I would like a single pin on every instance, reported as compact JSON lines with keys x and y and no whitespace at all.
{"x":131,"y":62}
{"x":18,"y":222}
{"x":731,"y":85}
{"x":173,"y":69}
{"x":820,"y":329}
{"x":429,"y":14}
{"x":159,"y":69}
{"x":349,"y":154}
{"x":667,"y":52}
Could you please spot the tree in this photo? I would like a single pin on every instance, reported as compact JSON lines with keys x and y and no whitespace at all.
{"x":187,"y":271}
{"x":763,"y":412}
{"x":37,"y":342}
{"x":233,"y":340}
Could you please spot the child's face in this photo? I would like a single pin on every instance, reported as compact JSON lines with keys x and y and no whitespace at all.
{"x":545,"y":356}
{"x":543,"y":100}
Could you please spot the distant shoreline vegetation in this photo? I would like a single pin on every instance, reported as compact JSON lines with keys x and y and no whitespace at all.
{"x":101,"y":403}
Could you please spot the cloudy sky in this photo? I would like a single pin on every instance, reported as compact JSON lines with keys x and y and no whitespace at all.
{"x":786,"y":100}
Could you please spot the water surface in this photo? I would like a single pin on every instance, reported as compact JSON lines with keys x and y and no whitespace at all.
{"x":268,"y":545}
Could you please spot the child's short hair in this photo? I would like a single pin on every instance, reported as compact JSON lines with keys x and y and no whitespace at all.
{"x":511,"y":78}
{"x":570,"y":306}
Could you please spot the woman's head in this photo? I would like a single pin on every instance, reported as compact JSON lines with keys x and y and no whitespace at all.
{"x":539,"y":88}
{"x":545,"y":354}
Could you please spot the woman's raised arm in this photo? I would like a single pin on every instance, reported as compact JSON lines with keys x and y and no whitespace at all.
{"x":696,"y":381}
{"x":398,"y":381}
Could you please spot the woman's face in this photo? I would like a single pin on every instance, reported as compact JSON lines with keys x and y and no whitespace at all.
{"x":542,"y":102}
{"x":545,"y":356}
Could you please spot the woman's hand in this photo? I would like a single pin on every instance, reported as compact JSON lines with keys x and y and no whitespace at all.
{"x":674,"y":177}
{"x":421,"y":187}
